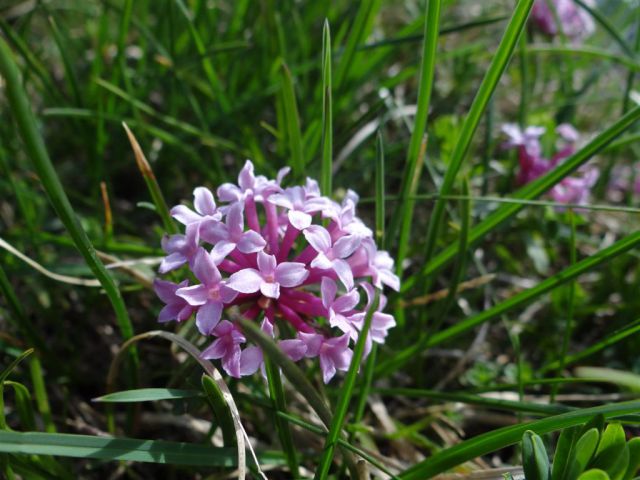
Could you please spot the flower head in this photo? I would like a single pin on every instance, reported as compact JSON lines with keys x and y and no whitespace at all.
{"x":533,"y":164}
{"x":263,"y":249}
{"x":574,"y":22}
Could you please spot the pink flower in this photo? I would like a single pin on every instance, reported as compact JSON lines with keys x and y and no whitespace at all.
{"x":265,"y":252}
{"x":574,"y":21}
{"x":574,"y":189}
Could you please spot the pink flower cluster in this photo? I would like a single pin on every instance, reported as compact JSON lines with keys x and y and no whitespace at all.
{"x":574,"y":21}
{"x":574,"y":189}
{"x":261,"y":252}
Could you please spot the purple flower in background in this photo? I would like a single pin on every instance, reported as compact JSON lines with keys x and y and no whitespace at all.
{"x":265,"y":252}
{"x":575,"y":23}
{"x":532,"y":163}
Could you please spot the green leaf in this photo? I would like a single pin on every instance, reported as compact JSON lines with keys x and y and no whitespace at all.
{"x":472,"y":120}
{"x":292,"y":120}
{"x":612,"y":455}
{"x":147,"y":395}
{"x":503,"y":437}
{"x":535,"y":460}
{"x":594,"y":474}
{"x":220,"y":409}
{"x":564,"y":451}
{"x":585,"y":448}
{"x":137,"y":450}
{"x":634,"y":458}
{"x":618,"y":377}
{"x":326,"y":173}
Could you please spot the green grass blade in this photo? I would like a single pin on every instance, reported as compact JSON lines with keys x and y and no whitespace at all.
{"x":600,"y":18}
{"x":608,"y":341}
{"x":346,"y":393}
{"x":207,"y":66}
{"x":417,"y":144}
{"x":40,"y":392}
{"x":276,"y":392}
{"x":471,"y":399}
{"x":585,"y":51}
{"x":293,"y":373}
{"x":326,"y":174}
{"x":568,"y":274}
{"x":380,"y":192}
{"x":137,"y":450}
{"x":152,"y":184}
{"x":69,"y":71}
{"x":359,"y":31}
{"x":503,"y":437}
{"x":530,"y":191}
{"x":489,"y":84}
{"x":292,"y":120}
{"x":36,"y":149}
{"x":220,"y":409}
{"x":147,"y":395}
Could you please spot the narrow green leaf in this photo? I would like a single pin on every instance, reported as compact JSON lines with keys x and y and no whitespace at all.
{"x":612,"y":454}
{"x":345,"y":394}
{"x":472,"y":120}
{"x":380,"y":190}
{"x":585,"y":51}
{"x":220,"y":409}
{"x":634,"y":458}
{"x":67,"y":63}
{"x":564,"y":452}
{"x":585,"y":448}
{"x":528,"y":192}
{"x":326,"y":174}
{"x":137,"y":450}
{"x":417,"y":144}
{"x":147,"y":395}
{"x":292,"y":122}
{"x":535,"y":461}
{"x":28,"y":128}
{"x":545,"y":286}
{"x":600,"y":18}
{"x":503,"y":437}
{"x":23,"y":405}
{"x":276,"y":392}
{"x":621,"y":378}
{"x":594,"y":474}
{"x":40,"y":392}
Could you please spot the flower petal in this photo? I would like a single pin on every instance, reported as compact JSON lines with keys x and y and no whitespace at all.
{"x":298,"y":219}
{"x":208,"y":317}
{"x":251,"y":242}
{"x":281,"y":200}
{"x":169,"y":312}
{"x":318,"y":238}
{"x":221,"y":250}
{"x":346,"y":245}
{"x":347,"y":302}
{"x":171,"y":262}
{"x":204,"y":268}
{"x":291,"y":274}
{"x":294,"y":348}
{"x":271,"y":290}
{"x":203,"y":201}
{"x":250,"y":360}
{"x":266,"y":263}
{"x":185,"y":215}
{"x":247,"y":280}
{"x":343,"y":270}
{"x":194,"y":295}
{"x":328,"y":290}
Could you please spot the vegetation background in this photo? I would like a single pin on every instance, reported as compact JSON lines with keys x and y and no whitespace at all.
{"x":520,"y":297}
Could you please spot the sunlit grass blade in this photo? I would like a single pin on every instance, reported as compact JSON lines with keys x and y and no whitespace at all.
{"x":472,"y":120}
{"x":566,"y":275}
{"x":503,"y":437}
{"x":276,"y":392}
{"x":207,"y":66}
{"x":326,"y":174}
{"x":220,"y":408}
{"x":40,"y":393}
{"x":530,"y":191}
{"x":601,"y":18}
{"x":471,"y":399}
{"x":131,"y":449}
{"x":3,"y":377}
{"x":585,"y":51}
{"x":294,"y":374}
{"x":69,"y":71}
{"x":346,"y":393}
{"x":147,"y":395}
{"x":152,"y":183}
{"x":292,"y":120}
{"x":36,"y":149}
{"x":359,"y":30}
{"x":417,"y":145}
{"x":608,"y":341}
